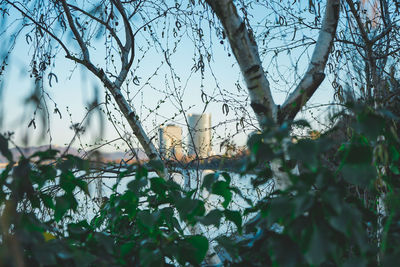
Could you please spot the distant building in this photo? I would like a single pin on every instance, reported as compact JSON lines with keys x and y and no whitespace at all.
{"x":370,"y":13}
{"x":171,"y":141}
{"x":199,"y":135}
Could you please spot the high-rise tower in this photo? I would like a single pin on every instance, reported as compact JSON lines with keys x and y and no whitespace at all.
{"x":199,"y":135}
{"x":171,"y":141}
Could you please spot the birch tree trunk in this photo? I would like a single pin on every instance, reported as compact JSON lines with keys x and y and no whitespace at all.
{"x":245,"y":49}
{"x":315,"y":73}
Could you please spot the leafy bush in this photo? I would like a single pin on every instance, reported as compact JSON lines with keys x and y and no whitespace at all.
{"x":329,"y":216}
{"x":146,"y":225}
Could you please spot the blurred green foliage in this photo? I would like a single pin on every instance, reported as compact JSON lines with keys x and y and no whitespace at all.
{"x":326,"y":216}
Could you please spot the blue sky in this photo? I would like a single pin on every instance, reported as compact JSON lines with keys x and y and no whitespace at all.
{"x":75,"y":89}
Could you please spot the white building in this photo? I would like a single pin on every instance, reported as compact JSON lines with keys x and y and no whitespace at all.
{"x":199,"y":135}
{"x":171,"y":141}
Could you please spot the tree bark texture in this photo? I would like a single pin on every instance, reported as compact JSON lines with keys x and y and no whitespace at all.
{"x":315,"y":72}
{"x":246,"y":53}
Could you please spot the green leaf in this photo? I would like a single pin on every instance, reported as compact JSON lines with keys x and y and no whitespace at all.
{"x":188,"y":208}
{"x":390,"y":260}
{"x":279,"y":209}
{"x":168,"y":214}
{"x":137,"y":184}
{"x":67,"y":181}
{"x":221,"y":188}
{"x":81,"y":164}
{"x":212,"y":218}
{"x":395,"y":155}
{"x":105,"y":241}
{"x":79,"y":228}
{"x":63,"y":204}
{"x":200,"y":245}
{"x":358,"y":262}
{"x":284,"y":252}
{"x":227,"y":177}
{"x":48,"y":172}
{"x":45,"y":155}
{"x":43,"y":255}
{"x":6,"y":172}
{"x":358,"y":154}
{"x":370,"y":125}
{"x":235,"y":217}
{"x":4,"y":148}
{"x":333,"y":198}
{"x":83,"y":257}
{"x":339,"y":222}
{"x":305,"y":151}
{"x":360,"y":174}
{"x":239,"y":192}
{"x":66,"y":164}
{"x":263,"y":152}
{"x":262,"y":177}
{"x":318,"y":247}
{"x":148,"y":219}
{"x":158,"y":165}
{"x":198,"y":210}
{"x":303,"y":203}
{"x":35,"y":201}
{"x":158,"y":185}
{"x":229,"y":245}
{"x":395,"y":169}
{"x":150,"y":257}
{"x":83,"y":186}
{"x":253,"y":142}
{"x":79,"y":231}
{"x":127,"y":248}
{"x":209,"y":179}
{"x":141,"y":172}
{"x":190,"y":193}
{"x":47,"y":200}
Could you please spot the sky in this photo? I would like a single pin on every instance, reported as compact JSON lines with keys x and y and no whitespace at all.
{"x":76,"y":89}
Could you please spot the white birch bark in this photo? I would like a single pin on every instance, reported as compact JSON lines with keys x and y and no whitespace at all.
{"x":245,"y":50}
{"x":246,"y":53}
{"x":315,"y":72}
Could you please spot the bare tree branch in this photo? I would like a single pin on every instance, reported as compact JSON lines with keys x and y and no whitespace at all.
{"x":358,"y":21}
{"x":315,"y":72}
{"x":115,"y":87}
{"x":52,"y":35}
{"x":111,"y":30}
{"x":78,"y":37}
{"x":128,"y":47}
{"x":246,"y":52}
